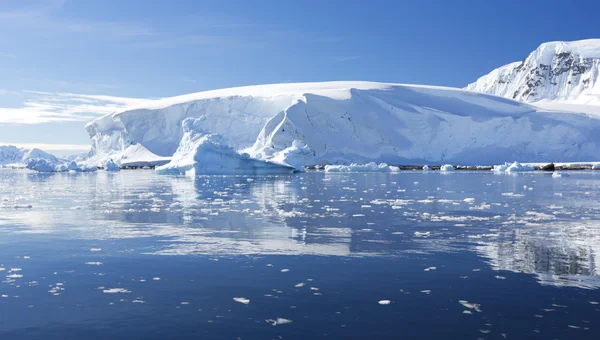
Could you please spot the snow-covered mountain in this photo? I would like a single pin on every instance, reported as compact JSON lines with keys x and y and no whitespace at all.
{"x":10,"y":154}
{"x":561,"y":72}
{"x":343,"y":122}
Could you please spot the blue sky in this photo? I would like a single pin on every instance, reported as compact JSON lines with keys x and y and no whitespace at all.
{"x":65,"y":62}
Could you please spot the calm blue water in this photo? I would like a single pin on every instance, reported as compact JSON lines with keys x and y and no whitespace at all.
{"x":412,"y":255}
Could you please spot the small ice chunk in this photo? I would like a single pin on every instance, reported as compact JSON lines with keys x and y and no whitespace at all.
{"x":115,"y":291}
{"x":430,"y":268}
{"x":469,"y":305}
{"x":384,"y":302}
{"x":241,"y":300}
{"x":278,"y":321}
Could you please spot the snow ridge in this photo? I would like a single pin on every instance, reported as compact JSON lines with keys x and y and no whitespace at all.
{"x":556,"y":71}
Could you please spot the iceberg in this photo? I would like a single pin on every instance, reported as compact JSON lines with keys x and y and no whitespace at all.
{"x":518,"y":167}
{"x":354,"y":167}
{"x":41,"y":165}
{"x":447,"y":167}
{"x":14,"y":156}
{"x":111,"y":166}
{"x":208,"y":153}
{"x":298,"y":155}
{"x":349,"y":122}
{"x":512,"y":167}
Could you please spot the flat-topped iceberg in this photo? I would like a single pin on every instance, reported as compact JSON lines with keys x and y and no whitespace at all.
{"x":349,"y":122}
{"x":208,"y":153}
{"x":354,"y":167}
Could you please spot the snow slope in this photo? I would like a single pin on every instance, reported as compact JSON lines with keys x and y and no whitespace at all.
{"x":345,"y":122}
{"x":560,"y":71}
{"x":10,"y":154}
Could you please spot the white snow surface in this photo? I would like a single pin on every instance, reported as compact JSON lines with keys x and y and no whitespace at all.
{"x":201,"y":152}
{"x":352,"y":122}
{"x":557,"y":74}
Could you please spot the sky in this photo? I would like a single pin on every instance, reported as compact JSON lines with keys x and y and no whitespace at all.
{"x":66,"y":62}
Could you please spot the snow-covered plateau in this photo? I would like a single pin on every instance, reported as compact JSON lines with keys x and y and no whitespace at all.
{"x":307,"y":124}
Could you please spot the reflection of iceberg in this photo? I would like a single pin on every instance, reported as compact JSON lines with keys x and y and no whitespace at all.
{"x":558,"y":254}
{"x":212,"y":215}
{"x":200,"y":152}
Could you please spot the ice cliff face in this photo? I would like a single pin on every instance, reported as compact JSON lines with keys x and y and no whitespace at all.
{"x":558,"y":71}
{"x":344,"y":122}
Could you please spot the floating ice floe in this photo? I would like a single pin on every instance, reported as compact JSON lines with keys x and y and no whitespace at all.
{"x":474,"y":306}
{"x":115,"y":291}
{"x":514,"y":167}
{"x":558,"y":174}
{"x":355,"y":167}
{"x":278,"y":321}
{"x":384,"y":302}
{"x":241,"y":300}
{"x":426,"y":168}
{"x":447,"y":167}
{"x":205,"y":153}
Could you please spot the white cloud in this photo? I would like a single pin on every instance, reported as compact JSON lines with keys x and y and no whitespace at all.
{"x":46,"y":107}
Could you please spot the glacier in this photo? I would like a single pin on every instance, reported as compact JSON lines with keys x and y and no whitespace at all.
{"x":302,"y":124}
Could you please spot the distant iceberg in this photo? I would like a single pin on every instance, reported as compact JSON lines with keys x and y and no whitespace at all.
{"x":513,"y":167}
{"x":354,"y":167}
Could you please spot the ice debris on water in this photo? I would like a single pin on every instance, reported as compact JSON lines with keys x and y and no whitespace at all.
{"x":115,"y":291}
{"x":355,"y":167}
{"x":474,"y":306}
{"x":278,"y":321}
{"x":241,"y":300}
